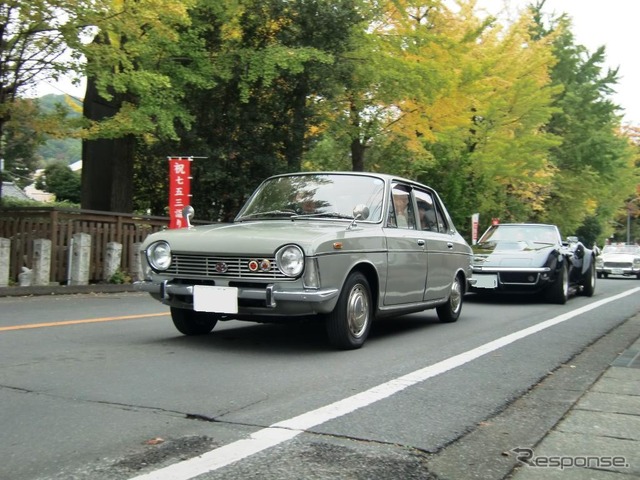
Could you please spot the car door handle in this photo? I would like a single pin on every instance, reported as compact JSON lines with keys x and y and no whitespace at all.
{"x":450,"y":245}
{"x":421,"y":243}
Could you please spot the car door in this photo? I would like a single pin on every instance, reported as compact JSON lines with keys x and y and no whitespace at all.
{"x":406,"y":254}
{"x":439,"y":245}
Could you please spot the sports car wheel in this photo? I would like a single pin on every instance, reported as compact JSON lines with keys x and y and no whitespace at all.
{"x":450,"y":311}
{"x":349,"y":324}
{"x":190,"y":322}
{"x":558,"y":291}
{"x":589,"y":284}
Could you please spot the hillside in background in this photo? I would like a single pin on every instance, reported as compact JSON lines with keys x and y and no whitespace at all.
{"x":68,"y":150}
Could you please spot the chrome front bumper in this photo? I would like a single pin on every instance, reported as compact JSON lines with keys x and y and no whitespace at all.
{"x":271,"y":295}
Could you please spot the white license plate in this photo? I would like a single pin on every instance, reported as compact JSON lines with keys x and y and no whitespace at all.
{"x":617,"y":271}
{"x":486,"y":281}
{"x":215,"y":299}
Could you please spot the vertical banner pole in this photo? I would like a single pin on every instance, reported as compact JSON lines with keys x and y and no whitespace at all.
{"x":475,"y":219}
{"x":179,"y":189}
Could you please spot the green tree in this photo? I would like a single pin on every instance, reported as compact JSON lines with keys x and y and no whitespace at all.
{"x":60,"y":180}
{"x":594,"y":161}
{"x":21,"y":141}
{"x":255,"y":120}
{"x":32,"y":46}
{"x":433,"y":92}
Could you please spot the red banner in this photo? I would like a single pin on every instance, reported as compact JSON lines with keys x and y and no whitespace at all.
{"x":179,"y":189}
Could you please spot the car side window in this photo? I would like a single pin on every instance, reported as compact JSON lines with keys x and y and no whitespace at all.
{"x":401,"y":210}
{"x":443,"y":227}
{"x":429,"y":213}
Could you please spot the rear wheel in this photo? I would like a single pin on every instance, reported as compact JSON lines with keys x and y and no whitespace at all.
{"x":558,"y":291}
{"x":589,"y":284}
{"x":190,"y":322}
{"x":349,"y":324}
{"x":450,"y":311}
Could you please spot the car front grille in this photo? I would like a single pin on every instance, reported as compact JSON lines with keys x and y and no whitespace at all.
{"x":209,"y":266}
{"x":617,"y":264}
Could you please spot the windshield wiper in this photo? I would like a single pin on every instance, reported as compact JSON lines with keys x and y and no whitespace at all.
{"x":270,"y":213}
{"x":323,"y":214}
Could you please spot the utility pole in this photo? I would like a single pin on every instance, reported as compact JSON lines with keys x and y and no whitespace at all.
{"x":1,"y":177}
{"x":629,"y":218}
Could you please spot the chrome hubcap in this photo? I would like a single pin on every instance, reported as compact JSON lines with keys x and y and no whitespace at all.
{"x":456,"y":296}
{"x":358,"y":311}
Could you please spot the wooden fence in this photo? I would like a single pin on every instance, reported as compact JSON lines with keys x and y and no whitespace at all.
{"x":23,"y":225}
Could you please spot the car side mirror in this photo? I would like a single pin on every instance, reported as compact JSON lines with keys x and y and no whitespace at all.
{"x":361,"y":212}
{"x":188,"y":213}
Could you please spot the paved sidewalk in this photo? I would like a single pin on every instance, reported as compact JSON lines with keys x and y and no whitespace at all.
{"x":599,"y":437}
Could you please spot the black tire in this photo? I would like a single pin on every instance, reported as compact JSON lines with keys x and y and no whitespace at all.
{"x":599,"y":274}
{"x":190,"y":322}
{"x":558,"y":291}
{"x":349,"y":324}
{"x":589,"y":283}
{"x":449,"y":312}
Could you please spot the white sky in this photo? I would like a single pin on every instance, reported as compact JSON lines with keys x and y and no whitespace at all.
{"x":612,"y":23}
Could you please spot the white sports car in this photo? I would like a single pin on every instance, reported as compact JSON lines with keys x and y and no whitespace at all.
{"x":619,"y":259}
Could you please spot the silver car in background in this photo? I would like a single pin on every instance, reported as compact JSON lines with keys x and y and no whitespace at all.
{"x":343,"y":247}
{"x":619,"y":259}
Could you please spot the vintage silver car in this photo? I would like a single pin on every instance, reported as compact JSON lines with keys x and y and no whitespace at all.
{"x":619,"y":259}
{"x":340,"y":246}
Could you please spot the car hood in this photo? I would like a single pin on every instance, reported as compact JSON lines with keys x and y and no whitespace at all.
{"x":618,"y":257}
{"x":511,"y":254}
{"x":264,"y":237}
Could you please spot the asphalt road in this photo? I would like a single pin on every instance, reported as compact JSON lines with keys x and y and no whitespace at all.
{"x":103,"y":387}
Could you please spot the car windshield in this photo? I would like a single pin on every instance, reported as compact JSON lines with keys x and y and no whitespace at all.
{"x":315,"y":196}
{"x":521,"y":233}
{"x":628,"y":249}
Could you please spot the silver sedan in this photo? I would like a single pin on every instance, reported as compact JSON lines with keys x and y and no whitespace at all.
{"x":340,"y":246}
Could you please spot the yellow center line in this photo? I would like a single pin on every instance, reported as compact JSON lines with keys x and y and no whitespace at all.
{"x":78,"y":322}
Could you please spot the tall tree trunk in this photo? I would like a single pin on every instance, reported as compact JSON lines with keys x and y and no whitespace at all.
{"x":357,"y":145}
{"x":295,"y":140}
{"x":357,"y":155}
{"x":107,"y":164}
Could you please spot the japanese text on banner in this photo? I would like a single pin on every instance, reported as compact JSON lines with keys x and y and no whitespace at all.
{"x":179,"y":189}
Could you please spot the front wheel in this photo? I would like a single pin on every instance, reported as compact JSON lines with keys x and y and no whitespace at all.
{"x":349,"y":324}
{"x":190,"y":322}
{"x":558,"y":291}
{"x":449,"y":312}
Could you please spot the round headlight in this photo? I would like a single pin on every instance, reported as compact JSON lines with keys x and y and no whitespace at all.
{"x":159,"y":255}
{"x":290,"y":260}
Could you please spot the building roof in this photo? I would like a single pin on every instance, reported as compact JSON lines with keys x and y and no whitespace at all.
{"x":10,"y":189}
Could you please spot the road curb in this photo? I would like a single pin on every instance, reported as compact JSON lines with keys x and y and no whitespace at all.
{"x":65,"y":289}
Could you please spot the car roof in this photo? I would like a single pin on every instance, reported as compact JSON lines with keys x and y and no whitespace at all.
{"x":525,"y":225}
{"x":383,"y":176}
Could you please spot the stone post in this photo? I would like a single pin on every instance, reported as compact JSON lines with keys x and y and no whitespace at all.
{"x":5,"y":257}
{"x":136,"y":262}
{"x":80,"y":259}
{"x":113,"y":257}
{"x":41,"y":261}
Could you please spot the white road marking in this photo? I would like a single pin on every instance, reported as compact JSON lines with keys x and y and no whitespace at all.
{"x":288,"y":429}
